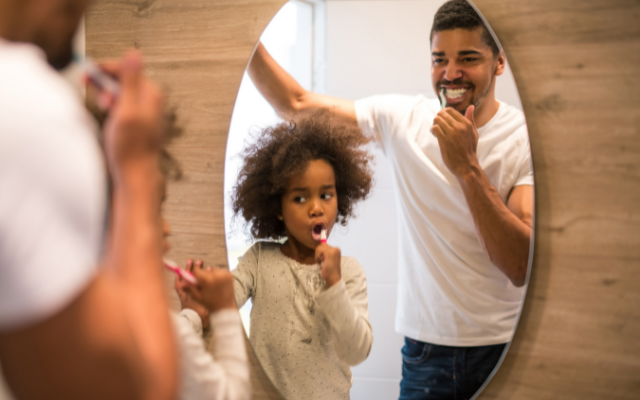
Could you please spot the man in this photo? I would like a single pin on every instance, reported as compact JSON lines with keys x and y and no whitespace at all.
{"x":465,"y":190}
{"x":78,"y":322}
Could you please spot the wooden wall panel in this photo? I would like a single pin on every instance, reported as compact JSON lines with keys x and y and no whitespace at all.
{"x":577,"y":65}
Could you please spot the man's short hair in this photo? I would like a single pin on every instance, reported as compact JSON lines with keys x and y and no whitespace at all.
{"x":455,"y":14}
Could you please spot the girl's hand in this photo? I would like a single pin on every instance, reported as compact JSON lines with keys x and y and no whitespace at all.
{"x":187,"y":301}
{"x":214,"y":289}
{"x":329,"y":258}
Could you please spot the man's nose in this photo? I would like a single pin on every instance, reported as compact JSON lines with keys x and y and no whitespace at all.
{"x":452,"y":72}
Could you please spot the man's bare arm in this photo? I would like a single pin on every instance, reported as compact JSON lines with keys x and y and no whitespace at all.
{"x":133,"y":140}
{"x":503,"y":230}
{"x":286,"y":95}
{"x":85,"y":351}
{"x":115,"y":340}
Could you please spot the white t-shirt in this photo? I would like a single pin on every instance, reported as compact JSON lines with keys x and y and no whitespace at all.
{"x":449,"y":292}
{"x":52,"y":189}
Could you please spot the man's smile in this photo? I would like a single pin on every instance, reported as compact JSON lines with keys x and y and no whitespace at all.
{"x":455,"y":95}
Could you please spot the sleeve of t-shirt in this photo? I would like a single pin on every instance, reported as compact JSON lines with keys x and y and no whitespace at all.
{"x":49,"y":210}
{"x":245,"y":275}
{"x":525,"y":164}
{"x":345,"y":305}
{"x":380,"y":116}
{"x":222,"y":375}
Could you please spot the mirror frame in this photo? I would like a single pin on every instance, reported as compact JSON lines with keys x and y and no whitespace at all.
{"x":577,"y":336}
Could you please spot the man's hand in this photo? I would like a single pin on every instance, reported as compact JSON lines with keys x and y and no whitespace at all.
{"x":458,"y":139}
{"x":214,"y":289}
{"x":186,"y":301}
{"x":329,"y":257}
{"x":133,"y":130}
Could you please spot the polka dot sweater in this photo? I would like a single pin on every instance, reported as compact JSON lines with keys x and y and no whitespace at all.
{"x":305,"y":335}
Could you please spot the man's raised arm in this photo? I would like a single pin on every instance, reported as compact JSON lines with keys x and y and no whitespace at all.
{"x":114,"y":340}
{"x":286,"y":95}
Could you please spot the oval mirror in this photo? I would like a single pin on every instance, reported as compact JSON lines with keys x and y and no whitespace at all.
{"x":443,"y":237}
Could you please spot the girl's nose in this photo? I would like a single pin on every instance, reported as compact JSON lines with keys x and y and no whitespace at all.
{"x":316,"y":209}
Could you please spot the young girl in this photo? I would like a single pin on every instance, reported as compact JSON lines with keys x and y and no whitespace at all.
{"x":309,"y":320}
{"x":222,"y":374}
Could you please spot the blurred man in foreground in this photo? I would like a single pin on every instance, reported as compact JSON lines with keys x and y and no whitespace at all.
{"x":80,"y":316}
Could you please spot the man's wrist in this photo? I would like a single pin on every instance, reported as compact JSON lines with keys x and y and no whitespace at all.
{"x":140,"y":173}
{"x":471,"y":175}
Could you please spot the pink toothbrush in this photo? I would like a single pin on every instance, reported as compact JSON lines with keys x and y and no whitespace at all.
{"x":186,"y":275}
{"x":323,"y":239}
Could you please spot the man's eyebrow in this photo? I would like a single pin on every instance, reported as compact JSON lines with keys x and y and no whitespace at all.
{"x":468,"y":52}
{"x":438,"y":53}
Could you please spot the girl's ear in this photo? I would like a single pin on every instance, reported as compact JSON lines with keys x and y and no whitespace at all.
{"x":280,"y":217}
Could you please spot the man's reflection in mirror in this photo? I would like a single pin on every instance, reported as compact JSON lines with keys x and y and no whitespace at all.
{"x":461,"y":166}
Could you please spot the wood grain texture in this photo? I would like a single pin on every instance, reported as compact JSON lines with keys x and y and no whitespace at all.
{"x":577,"y":65}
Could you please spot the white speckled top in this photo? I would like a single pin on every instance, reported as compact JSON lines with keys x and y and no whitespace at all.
{"x":305,"y":336}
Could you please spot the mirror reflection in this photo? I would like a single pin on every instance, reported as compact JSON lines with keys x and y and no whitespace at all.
{"x":433,"y":266}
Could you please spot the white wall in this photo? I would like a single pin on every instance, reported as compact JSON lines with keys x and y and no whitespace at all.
{"x":378,"y":47}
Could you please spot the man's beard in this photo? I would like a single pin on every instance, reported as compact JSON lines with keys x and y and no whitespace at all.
{"x":61,"y":59}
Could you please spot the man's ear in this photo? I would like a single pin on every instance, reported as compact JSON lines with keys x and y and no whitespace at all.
{"x":499,"y":64}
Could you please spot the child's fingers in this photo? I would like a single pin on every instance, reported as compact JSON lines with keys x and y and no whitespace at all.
{"x":189,"y":265}
{"x":200,"y":275}
{"x":194,"y":292}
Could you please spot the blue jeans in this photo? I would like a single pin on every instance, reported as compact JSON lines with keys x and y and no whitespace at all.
{"x":433,"y":372}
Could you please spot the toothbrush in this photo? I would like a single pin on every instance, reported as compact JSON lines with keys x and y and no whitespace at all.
{"x":323,"y":239}
{"x":101,"y":79}
{"x":186,"y":275}
{"x":443,"y":99}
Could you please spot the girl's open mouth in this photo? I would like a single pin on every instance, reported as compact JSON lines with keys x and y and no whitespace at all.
{"x":317,"y":230}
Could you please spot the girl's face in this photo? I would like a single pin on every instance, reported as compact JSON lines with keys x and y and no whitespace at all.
{"x":310,"y":204}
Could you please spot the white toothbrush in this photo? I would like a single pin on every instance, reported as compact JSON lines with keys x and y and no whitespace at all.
{"x":443,"y":99}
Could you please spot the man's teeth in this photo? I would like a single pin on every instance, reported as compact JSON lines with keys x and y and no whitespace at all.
{"x":455,"y":93}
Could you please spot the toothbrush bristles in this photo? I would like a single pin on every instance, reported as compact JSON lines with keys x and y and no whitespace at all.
{"x":443,"y":99}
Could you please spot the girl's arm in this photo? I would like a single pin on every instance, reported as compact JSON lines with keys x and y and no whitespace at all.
{"x":223,"y":375}
{"x":245,"y":275}
{"x":345,"y":305}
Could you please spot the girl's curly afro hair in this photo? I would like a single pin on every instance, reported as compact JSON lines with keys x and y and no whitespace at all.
{"x":285,"y":150}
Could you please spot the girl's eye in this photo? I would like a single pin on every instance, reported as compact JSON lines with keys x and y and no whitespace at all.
{"x":299,"y":199}
{"x":326,"y":196}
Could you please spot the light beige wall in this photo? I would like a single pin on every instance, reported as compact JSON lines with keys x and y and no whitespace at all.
{"x":576,"y":63}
